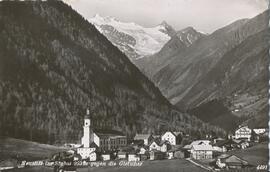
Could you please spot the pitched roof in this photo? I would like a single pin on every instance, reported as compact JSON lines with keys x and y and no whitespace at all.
{"x":93,"y":145}
{"x":244,"y":128}
{"x":159,"y":142}
{"x":200,"y":142}
{"x":233,"y":160}
{"x":142,"y":136}
{"x":203,"y":147}
{"x":187,"y":147}
{"x":177,"y":133}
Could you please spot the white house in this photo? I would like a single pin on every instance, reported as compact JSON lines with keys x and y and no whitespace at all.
{"x":85,"y":152}
{"x":133,"y":157}
{"x":243,"y":132}
{"x":219,"y":149}
{"x":121,"y":155}
{"x":142,"y":150}
{"x":197,"y":142}
{"x":158,"y":145}
{"x":259,"y":131}
{"x":105,"y":157}
{"x":202,"y":152}
{"x":173,"y":138}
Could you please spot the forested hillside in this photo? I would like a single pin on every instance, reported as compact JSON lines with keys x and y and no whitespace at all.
{"x":54,"y":64}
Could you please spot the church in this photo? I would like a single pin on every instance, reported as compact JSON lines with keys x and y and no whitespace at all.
{"x":89,"y":141}
{"x":98,"y":141}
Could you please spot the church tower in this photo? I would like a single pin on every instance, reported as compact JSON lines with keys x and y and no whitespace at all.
{"x":86,"y":139}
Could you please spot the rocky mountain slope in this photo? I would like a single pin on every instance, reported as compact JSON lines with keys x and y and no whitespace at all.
{"x":189,"y":36}
{"x":54,"y":64}
{"x":239,"y":81}
{"x":178,"y":44}
{"x":185,"y":69}
{"x":224,"y":65}
{"x":134,"y":40}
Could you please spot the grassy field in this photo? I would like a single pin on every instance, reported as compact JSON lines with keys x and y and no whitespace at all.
{"x":11,"y":148}
{"x":148,"y":166}
{"x":256,"y":155}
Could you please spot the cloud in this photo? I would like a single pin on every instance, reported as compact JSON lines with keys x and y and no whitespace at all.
{"x":205,"y":15}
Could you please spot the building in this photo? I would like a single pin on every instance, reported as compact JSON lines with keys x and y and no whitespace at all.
{"x":260,"y":130}
{"x":91,"y":141}
{"x":173,"y":138}
{"x":111,"y":141}
{"x":197,"y":142}
{"x":142,"y":150}
{"x":231,"y":162}
{"x":180,"y":154}
{"x":88,"y":134}
{"x":228,"y":145}
{"x":133,"y":157}
{"x":105,"y":157}
{"x":156,"y":155}
{"x":122,"y":155}
{"x":146,"y":138}
{"x":202,"y":152}
{"x":260,"y":134}
{"x":88,"y":152}
{"x":159,"y":145}
{"x":243,"y":132}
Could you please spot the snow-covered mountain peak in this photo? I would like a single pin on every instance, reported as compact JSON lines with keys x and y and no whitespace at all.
{"x":134,"y":40}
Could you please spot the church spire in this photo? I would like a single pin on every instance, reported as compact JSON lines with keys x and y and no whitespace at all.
{"x":87,"y":116}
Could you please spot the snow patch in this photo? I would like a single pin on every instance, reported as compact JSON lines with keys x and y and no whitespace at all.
{"x":148,"y":40}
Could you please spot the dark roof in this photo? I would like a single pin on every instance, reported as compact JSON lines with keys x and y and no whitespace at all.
{"x":159,"y":142}
{"x":108,"y":132}
{"x":93,"y":145}
{"x":142,"y":136}
{"x":233,"y":160}
{"x":225,"y":142}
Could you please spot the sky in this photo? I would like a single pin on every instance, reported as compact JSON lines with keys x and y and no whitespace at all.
{"x":204,"y":15}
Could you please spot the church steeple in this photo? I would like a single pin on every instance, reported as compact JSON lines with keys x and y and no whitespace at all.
{"x":87,"y":120}
{"x":87,"y":116}
{"x":86,"y":130}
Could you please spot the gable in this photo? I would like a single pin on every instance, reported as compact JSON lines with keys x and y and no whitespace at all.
{"x":154,"y":144}
{"x":243,"y":129}
{"x":168,"y":134}
{"x":234,"y":159}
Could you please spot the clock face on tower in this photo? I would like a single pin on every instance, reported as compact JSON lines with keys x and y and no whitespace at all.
{"x":87,"y":122}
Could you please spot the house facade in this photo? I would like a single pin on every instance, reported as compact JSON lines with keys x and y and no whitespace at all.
{"x":173,"y":138}
{"x":243,"y":132}
{"x":158,"y":145}
{"x":202,"y":152}
{"x":111,"y":141}
{"x":86,"y":152}
{"x":133,"y":157}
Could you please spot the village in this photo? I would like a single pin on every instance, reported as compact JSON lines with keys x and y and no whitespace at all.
{"x":211,"y":153}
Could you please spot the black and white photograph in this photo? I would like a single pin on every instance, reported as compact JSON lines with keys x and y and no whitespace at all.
{"x":134,"y":85}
